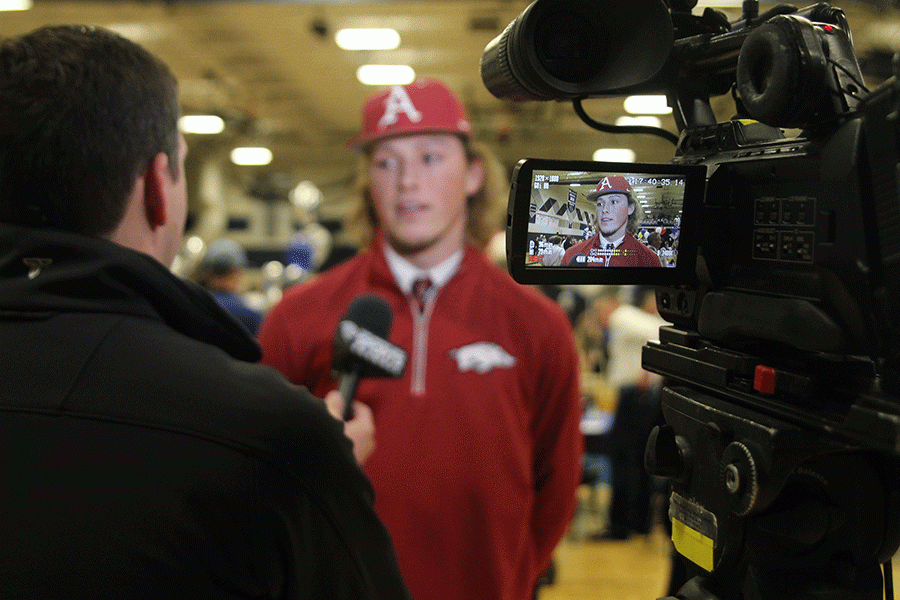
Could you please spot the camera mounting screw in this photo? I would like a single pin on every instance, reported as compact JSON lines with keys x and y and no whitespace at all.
{"x":740,"y":478}
{"x":732,"y":479}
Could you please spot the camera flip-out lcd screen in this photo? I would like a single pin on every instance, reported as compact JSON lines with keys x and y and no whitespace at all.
{"x":595,"y":222}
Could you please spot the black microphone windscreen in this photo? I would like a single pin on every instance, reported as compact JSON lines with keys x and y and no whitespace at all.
{"x":360,"y":340}
{"x":360,"y":347}
{"x":370,"y":312}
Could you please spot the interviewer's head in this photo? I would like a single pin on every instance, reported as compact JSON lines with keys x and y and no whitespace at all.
{"x":84,"y":113}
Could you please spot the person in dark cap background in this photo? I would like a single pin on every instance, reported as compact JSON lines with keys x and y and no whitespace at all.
{"x":222,"y":271}
{"x":479,"y":447}
{"x":614,"y":244}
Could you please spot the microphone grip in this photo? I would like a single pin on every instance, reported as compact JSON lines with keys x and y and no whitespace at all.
{"x":347,"y":388}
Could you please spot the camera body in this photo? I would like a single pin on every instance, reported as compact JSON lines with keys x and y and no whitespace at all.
{"x":781,"y":406}
{"x":782,"y":363}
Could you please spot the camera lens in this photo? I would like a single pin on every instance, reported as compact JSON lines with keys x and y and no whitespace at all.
{"x":563,"y":49}
{"x":543,"y":50}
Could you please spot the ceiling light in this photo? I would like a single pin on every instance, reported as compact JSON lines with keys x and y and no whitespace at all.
{"x":614,"y":155}
{"x":306,"y":196}
{"x":202,"y":124}
{"x":367,"y":39}
{"x":194,"y":245}
{"x":719,"y":4}
{"x":647,"y":105}
{"x":385,"y":74}
{"x":642,"y":121}
{"x":251,"y":156}
{"x":15,"y":4}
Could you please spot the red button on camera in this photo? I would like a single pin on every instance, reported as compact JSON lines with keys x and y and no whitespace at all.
{"x":764,"y":380}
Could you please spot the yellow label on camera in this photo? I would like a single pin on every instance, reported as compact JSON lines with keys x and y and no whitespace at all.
{"x":694,"y":531}
{"x":692,"y":545}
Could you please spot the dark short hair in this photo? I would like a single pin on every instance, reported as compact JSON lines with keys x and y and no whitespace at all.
{"x":83,"y":111}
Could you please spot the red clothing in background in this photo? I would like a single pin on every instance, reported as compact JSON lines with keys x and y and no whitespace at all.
{"x":630,"y":253}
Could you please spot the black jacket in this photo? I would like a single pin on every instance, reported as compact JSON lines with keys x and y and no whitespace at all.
{"x":143,"y":454}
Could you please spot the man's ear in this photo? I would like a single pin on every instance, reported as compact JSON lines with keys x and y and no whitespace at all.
{"x":157,"y":182}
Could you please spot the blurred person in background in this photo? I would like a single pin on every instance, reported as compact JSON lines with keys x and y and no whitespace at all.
{"x":628,"y":319}
{"x":554,"y":253}
{"x":145,"y":454}
{"x":479,"y":448}
{"x":222,"y":271}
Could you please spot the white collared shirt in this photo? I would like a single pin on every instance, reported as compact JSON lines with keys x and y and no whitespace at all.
{"x":405,"y":273}
{"x":604,"y":241}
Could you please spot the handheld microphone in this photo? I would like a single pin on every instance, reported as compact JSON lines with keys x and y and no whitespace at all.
{"x":360,"y":348}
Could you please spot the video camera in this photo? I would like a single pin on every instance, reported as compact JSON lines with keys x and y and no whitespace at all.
{"x":780,"y":274}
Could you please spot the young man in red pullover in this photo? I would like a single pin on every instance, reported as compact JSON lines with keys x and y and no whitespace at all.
{"x":478,"y":444}
{"x":614,"y":244}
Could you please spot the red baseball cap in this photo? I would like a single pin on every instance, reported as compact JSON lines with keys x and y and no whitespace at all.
{"x":423,"y":106}
{"x":611,"y":184}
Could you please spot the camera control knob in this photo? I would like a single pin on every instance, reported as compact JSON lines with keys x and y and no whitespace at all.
{"x":667,"y":455}
{"x":740,"y":478}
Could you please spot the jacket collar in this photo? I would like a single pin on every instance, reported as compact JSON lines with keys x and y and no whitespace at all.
{"x":50,"y":271}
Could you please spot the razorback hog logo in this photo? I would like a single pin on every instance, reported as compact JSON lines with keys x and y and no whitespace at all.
{"x":481,"y":357}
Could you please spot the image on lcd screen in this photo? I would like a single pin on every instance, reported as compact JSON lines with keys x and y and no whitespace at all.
{"x":592,"y":219}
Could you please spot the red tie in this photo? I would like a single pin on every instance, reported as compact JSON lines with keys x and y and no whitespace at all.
{"x":420,"y":288}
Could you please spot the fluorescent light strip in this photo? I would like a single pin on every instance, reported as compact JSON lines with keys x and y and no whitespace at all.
{"x":367,"y":39}
{"x":202,"y":124}
{"x":248,"y":156}
{"x":614,"y":155}
{"x":643,"y":121}
{"x":647,"y":105}
{"x":15,"y":5}
{"x":385,"y":74}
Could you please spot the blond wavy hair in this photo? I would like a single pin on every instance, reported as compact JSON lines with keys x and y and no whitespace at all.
{"x":486,"y":208}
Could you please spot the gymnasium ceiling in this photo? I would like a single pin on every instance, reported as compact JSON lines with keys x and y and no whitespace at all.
{"x":273,"y":71}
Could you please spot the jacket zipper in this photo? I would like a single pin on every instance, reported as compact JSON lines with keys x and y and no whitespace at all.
{"x":420,"y":344}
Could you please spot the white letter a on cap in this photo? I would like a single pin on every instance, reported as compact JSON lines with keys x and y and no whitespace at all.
{"x":398,"y":102}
